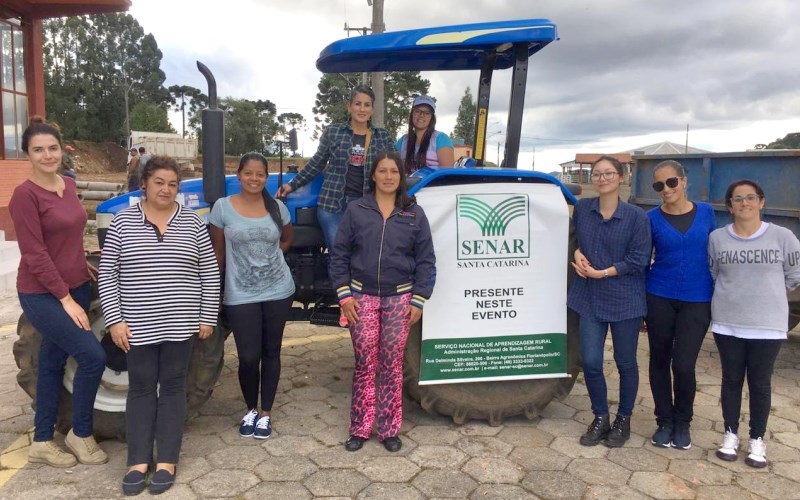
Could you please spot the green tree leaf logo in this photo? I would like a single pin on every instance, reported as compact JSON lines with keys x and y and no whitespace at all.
{"x":492,"y":221}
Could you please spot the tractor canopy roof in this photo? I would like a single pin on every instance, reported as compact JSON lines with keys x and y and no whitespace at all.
{"x":443,"y":48}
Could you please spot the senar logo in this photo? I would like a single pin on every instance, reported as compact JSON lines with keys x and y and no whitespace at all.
{"x":493,"y":226}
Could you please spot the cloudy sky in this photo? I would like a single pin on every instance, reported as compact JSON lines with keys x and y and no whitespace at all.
{"x":625,"y":73}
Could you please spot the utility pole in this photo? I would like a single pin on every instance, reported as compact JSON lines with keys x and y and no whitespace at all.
{"x":363,"y":31}
{"x":377,"y":77}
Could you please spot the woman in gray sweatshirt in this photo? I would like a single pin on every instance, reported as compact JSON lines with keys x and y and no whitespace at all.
{"x":753,"y":263}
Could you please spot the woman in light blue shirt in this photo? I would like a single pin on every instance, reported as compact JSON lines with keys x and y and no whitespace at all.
{"x":250,"y":232}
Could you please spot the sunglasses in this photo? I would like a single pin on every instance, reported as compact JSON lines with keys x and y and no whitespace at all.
{"x":672,"y":182}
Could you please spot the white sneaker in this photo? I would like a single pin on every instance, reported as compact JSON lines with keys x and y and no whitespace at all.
{"x":756,"y":453}
{"x":729,"y":447}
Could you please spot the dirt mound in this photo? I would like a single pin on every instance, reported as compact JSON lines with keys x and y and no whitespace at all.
{"x":98,"y":157}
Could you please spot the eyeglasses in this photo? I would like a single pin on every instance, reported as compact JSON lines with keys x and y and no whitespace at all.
{"x":672,"y":182}
{"x":751,"y":198}
{"x":605,"y":175}
{"x":421,"y":112}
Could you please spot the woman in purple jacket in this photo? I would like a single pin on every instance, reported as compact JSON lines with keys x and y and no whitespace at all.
{"x":383,"y":268}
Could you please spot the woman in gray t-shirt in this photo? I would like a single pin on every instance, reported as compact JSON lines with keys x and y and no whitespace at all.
{"x":753,"y":263}
{"x":250,"y":231}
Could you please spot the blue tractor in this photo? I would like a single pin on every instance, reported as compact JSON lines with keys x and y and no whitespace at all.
{"x":496,"y":338}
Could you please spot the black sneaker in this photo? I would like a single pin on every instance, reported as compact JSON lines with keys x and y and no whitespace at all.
{"x":663,"y":436}
{"x":354,"y":443}
{"x":681,"y":439}
{"x":620,"y":432}
{"x":392,"y":444}
{"x":597,"y":430}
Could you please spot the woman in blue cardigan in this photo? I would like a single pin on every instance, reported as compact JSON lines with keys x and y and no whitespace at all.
{"x":679,"y":289}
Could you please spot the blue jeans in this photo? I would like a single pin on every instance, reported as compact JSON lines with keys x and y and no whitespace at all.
{"x":329,"y":221}
{"x":625,"y":336}
{"x":62,"y":338}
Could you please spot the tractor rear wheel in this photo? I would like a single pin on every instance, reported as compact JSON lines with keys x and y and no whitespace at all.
{"x":494,"y":401}
{"x":109,"y":409}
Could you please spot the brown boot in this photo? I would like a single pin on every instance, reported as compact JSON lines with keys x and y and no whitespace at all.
{"x":85,"y":449}
{"x":47,"y":452}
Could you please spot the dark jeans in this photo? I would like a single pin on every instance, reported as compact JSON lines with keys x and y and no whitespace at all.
{"x":625,"y":336}
{"x":675,"y":332}
{"x":754,"y":358}
{"x":156,"y":400}
{"x":62,"y":338}
{"x":258,"y":331}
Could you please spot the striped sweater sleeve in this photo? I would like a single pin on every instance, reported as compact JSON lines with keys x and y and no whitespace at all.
{"x":108,"y":276}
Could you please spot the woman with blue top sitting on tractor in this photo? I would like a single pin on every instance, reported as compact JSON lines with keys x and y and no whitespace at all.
{"x":613,"y":251}
{"x":345,"y":152}
{"x":753,"y":263}
{"x":679,"y":289}
{"x":383,"y":268}
{"x":423,"y":145}
{"x":250,"y":232}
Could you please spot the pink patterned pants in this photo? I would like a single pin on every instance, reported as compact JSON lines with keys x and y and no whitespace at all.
{"x":379,"y":341}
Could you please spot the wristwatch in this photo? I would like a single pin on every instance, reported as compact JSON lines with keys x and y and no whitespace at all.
{"x":605,"y":273}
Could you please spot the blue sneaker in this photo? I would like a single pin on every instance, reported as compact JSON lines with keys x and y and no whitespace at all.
{"x":681,"y":439}
{"x":263,"y":428}
{"x":663,"y":436}
{"x":248,"y":425}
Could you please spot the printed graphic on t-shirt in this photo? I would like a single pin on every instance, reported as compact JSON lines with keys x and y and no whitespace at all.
{"x":357,"y":155}
{"x":256,"y":262}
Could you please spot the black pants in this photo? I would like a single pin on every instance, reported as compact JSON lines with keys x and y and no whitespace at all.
{"x":258,"y":331}
{"x":754,"y":358}
{"x":156,"y":408}
{"x":675,"y":331}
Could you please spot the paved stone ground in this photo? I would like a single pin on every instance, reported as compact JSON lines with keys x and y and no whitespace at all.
{"x":520,"y":459}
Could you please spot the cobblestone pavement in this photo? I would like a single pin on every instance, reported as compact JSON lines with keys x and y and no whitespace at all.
{"x":520,"y":459}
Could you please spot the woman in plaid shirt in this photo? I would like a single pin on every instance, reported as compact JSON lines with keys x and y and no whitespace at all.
{"x":346,"y":150}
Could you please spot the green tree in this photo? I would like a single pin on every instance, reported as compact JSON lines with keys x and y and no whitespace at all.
{"x":330,"y":105}
{"x":790,"y":141}
{"x":150,"y":118}
{"x":186,"y":100}
{"x":465,"y":121}
{"x":249,"y":125}
{"x":93,"y":65}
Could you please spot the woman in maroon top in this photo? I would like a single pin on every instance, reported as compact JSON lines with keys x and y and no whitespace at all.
{"x":54,"y":292}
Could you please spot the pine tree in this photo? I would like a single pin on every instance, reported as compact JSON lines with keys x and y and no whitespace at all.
{"x":465,"y":121}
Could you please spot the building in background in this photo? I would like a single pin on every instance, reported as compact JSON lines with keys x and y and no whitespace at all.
{"x":22,"y":79}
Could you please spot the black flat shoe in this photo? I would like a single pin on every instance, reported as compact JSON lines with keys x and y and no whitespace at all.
{"x":134,"y":483}
{"x":392,"y":444}
{"x":162,"y":481}
{"x":354,"y":443}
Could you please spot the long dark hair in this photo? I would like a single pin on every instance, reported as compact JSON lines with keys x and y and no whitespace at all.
{"x":401,"y":197}
{"x":38,"y":126}
{"x":269,"y":202}
{"x":414,"y":162}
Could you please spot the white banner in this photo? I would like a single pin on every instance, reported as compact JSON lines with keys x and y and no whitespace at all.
{"x":498,"y":311}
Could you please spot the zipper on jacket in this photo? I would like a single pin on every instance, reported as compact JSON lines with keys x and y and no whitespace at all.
{"x":380,"y":253}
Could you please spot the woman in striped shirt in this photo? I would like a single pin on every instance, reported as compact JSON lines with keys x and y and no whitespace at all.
{"x":159,"y":287}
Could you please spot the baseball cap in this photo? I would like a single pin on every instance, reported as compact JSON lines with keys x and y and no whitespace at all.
{"x":426,"y":100}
